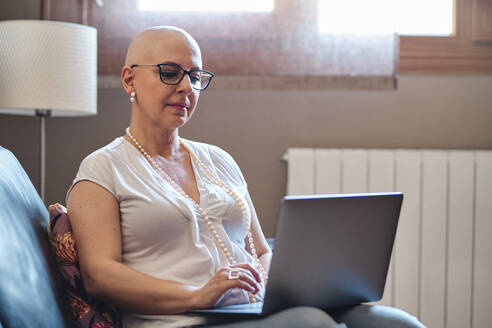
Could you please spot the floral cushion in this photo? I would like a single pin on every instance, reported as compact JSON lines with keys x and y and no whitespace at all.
{"x":88,"y":313}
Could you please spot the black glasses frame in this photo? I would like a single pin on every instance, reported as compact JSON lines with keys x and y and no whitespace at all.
{"x":185,"y":72}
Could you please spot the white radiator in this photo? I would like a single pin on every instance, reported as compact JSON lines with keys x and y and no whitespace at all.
{"x":441,"y":269}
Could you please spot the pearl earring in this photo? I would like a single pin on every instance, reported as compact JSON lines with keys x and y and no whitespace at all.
{"x":132,"y":97}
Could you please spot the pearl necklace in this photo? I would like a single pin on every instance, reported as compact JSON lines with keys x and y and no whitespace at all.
{"x":200,"y":210}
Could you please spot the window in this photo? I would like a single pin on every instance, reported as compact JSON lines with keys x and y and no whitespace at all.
{"x":465,"y":51}
{"x":206,"y":6}
{"x":369,"y":17}
{"x":424,"y":17}
{"x":267,"y":36}
{"x":436,"y":36}
{"x":416,"y":17}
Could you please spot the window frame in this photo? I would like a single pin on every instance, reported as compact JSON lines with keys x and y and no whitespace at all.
{"x":455,"y":54}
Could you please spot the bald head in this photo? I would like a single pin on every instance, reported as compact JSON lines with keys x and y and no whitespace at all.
{"x":149,"y":46}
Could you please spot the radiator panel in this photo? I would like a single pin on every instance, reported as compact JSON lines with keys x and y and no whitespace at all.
{"x":482,"y":264}
{"x":407,"y":245}
{"x":433,"y":238}
{"x":441,"y":268}
{"x":460,"y":239}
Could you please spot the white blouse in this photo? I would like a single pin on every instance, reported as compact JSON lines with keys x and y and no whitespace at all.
{"x":162,"y":233}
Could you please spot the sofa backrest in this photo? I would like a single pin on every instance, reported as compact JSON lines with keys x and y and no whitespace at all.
{"x":29,"y":296}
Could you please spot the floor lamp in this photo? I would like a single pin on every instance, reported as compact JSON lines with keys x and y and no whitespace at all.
{"x":47,"y":69}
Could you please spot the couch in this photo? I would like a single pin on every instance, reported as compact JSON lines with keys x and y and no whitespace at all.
{"x":30,"y":296}
{"x":40,"y":281}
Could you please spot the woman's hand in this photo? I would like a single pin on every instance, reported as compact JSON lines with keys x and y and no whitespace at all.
{"x":246,"y":277}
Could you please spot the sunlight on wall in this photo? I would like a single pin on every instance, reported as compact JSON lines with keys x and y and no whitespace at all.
{"x":206,"y":6}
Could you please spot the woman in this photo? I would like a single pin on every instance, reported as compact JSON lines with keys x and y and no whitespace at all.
{"x":166,"y":225}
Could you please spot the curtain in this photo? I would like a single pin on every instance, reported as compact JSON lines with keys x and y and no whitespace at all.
{"x":281,"y":49}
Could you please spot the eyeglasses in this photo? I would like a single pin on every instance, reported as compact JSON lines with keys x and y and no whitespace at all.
{"x":172,"y":74}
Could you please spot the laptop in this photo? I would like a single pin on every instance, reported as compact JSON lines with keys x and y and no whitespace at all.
{"x":330,"y":251}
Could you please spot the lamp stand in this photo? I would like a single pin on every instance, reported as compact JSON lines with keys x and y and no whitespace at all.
{"x":42,"y":114}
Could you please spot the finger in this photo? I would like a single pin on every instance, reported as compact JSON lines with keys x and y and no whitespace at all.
{"x":249,"y":267}
{"x":250,"y":279}
{"x":243,"y":283}
{"x":246,"y":276}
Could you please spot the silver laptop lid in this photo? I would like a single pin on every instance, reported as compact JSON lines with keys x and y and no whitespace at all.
{"x":332,"y":250}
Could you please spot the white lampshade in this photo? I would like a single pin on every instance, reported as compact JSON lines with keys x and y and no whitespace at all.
{"x":48,"y":65}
